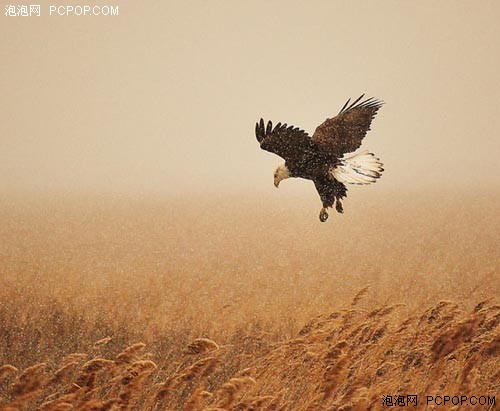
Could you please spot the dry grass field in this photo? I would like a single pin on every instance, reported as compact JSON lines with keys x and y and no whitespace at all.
{"x":244,"y":303}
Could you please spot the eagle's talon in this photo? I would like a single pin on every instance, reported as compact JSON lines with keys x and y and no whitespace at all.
{"x":323,"y":215}
{"x":338,"y":207}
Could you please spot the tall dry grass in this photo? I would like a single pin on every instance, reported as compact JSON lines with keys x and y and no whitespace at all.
{"x":349,"y":360}
{"x":218,"y":293}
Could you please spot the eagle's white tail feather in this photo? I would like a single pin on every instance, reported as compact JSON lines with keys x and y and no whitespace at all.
{"x":360,"y":168}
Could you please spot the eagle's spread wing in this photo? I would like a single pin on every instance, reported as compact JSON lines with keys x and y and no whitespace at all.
{"x":290,"y":143}
{"x":344,"y":132}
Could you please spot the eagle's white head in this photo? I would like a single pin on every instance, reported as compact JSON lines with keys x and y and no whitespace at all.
{"x":281,"y":173}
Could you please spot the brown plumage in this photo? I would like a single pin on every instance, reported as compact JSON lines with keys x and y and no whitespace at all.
{"x":344,"y":132}
{"x":321,"y":158}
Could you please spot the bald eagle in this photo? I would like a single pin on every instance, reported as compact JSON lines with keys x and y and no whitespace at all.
{"x":323,"y":157}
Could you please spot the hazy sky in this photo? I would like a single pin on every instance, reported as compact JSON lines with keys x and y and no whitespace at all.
{"x":164,"y":97}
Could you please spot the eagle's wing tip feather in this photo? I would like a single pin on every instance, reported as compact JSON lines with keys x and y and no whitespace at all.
{"x":260,"y":130}
{"x":370,"y":102}
{"x":269,"y":128}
